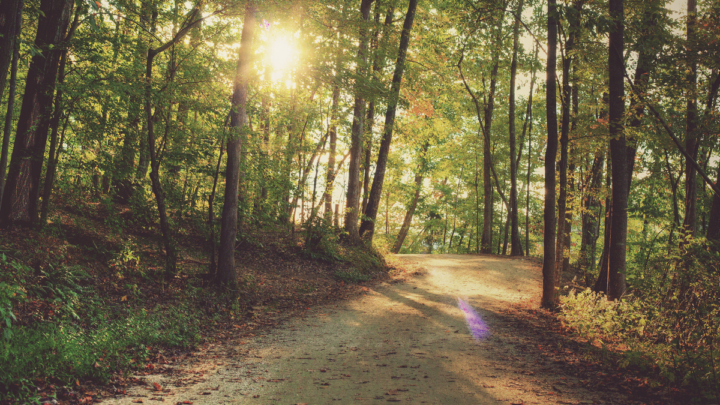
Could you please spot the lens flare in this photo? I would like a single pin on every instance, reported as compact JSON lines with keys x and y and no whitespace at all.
{"x":478,"y":328}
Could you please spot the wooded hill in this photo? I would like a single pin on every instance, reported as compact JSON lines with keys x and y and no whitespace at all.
{"x":584,"y":132}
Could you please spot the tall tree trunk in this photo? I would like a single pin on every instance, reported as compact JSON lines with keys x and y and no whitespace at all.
{"x":330,"y":176}
{"x":515,"y":244}
{"x":621,"y":170}
{"x":528,"y":124}
{"x":692,"y":143}
{"x":560,"y":249}
{"x":10,"y":21}
{"x":368,"y":225}
{"x":352,"y":203}
{"x":238,"y":122}
{"x":21,"y":190}
{"x":589,"y":221}
{"x":13,"y":86}
{"x":54,"y":126}
{"x":377,"y":61}
{"x":170,"y":249}
{"x":486,"y":241}
{"x":549,"y":299}
{"x":413,"y":204}
{"x":637,"y":107}
{"x":261,"y":203}
{"x":211,"y":212}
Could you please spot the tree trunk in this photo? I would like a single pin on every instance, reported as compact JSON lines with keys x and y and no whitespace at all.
{"x":549,"y":299}
{"x":621,"y":170}
{"x":211,"y":213}
{"x":54,"y":127}
{"x":408,"y":215}
{"x":23,"y":180}
{"x":486,"y":241}
{"x":238,"y":122}
{"x":589,"y":221}
{"x":13,"y":86}
{"x":528,"y":124}
{"x":515,"y":244}
{"x":574,"y":22}
{"x":713,"y":232}
{"x":352,"y":207}
{"x":10,"y":22}
{"x":368,"y":225}
{"x":413,"y":204}
{"x":692,"y":143}
{"x":330,"y":176}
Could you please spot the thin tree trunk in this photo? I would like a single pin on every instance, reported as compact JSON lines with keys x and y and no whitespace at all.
{"x":227,"y":274}
{"x":330,"y":176}
{"x":549,"y":299}
{"x":692,"y":143}
{"x":54,"y":126}
{"x":13,"y":86}
{"x":352,"y":207}
{"x":407,"y":221}
{"x":486,"y":241}
{"x":10,"y":22}
{"x":516,"y":246}
{"x":20,"y":197}
{"x":713,"y":232}
{"x":621,"y":170}
{"x":528,"y":124}
{"x":590,"y":222}
{"x":377,"y":61}
{"x":413,"y":204}
{"x":368,"y":225}
{"x":211,"y":212}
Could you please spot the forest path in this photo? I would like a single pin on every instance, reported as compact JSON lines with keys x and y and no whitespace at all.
{"x":406,"y":342}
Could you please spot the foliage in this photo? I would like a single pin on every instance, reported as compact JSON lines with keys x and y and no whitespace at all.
{"x":67,"y":352}
{"x":673,"y":328}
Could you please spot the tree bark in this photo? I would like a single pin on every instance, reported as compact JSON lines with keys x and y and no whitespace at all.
{"x":515,"y":244}
{"x":589,"y":221}
{"x":692,"y":143}
{"x":10,"y":22}
{"x":713,"y":232}
{"x":352,"y":203}
{"x":13,"y":86}
{"x":21,"y":190}
{"x":408,"y":215}
{"x":486,"y":241}
{"x":227,"y":273}
{"x":54,"y":127}
{"x":621,"y":170}
{"x":561,"y":247}
{"x":549,"y":299}
{"x":330,"y":176}
{"x":368,"y":225}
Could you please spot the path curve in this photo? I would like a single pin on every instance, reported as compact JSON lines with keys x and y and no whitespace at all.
{"x":406,"y":342}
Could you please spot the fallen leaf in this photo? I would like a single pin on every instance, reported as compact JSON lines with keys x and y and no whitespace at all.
{"x":157,"y":387}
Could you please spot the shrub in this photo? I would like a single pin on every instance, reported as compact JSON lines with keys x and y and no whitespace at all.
{"x":673,"y":327}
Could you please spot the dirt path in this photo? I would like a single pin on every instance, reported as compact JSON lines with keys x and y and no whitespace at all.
{"x":405,"y":342}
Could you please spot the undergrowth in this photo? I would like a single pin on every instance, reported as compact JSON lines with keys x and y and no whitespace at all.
{"x":672,"y":328}
{"x":72,"y":334}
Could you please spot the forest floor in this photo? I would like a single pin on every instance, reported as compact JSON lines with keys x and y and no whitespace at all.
{"x":406,"y":341}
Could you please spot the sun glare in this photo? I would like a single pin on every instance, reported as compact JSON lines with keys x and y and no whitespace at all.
{"x":282,"y":55}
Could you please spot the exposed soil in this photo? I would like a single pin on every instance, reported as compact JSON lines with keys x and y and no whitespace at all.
{"x":406,"y":342}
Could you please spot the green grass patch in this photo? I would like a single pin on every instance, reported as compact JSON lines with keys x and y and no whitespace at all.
{"x":65,"y":352}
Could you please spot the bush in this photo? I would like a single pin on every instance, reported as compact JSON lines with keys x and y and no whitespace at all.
{"x":65,"y":352}
{"x":673,"y":327}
